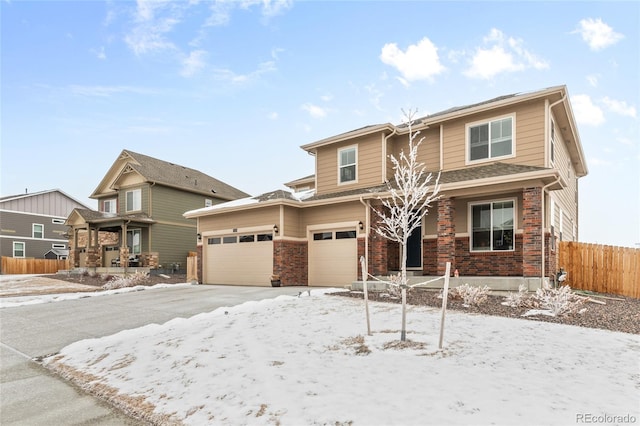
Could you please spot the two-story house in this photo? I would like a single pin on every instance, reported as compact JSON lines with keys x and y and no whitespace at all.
{"x":509,"y":170}
{"x":32,"y":225}
{"x":139,"y":221}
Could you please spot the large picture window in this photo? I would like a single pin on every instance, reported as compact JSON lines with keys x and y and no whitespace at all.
{"x":347,"y":159}
{"x":491,"y":139}
{"x":492,"y":226}
{"x":134,"y":200}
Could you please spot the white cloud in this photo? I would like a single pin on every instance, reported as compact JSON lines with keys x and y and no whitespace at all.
{"x":193,"y":63}
{"x":154,"y":21}
{"x":419,"y":62}
{"x":327,"y":97}
{"x":593,"y":80}
{"x":314,"y":110}
{"x":273,"y":115}
{"x":501,"y":54}
{"x":99,"y":53}
{"x":597,"y":34}
{"x":585,"y":111}
{"x":263,"y":68}
{"x":619,"y":107}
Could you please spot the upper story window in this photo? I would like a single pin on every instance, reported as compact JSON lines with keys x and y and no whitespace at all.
{"x":37,"y":230}
{"x":347,"y":159}
{"x":492,"y":226}
{"x":110,"y":206}
{"x":491,"y":139}
{"x":134,"y":200}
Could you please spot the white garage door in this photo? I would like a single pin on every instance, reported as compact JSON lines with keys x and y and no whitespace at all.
{"x":245,"y":259}
{"x":333,"y":257}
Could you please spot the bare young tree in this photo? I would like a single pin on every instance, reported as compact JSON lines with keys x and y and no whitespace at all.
{"x":410,"y":196}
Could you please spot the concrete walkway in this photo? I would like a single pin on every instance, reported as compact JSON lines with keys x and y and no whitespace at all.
{"x":30,"y":395}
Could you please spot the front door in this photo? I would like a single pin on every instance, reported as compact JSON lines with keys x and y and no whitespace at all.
{"x":414,"y":249}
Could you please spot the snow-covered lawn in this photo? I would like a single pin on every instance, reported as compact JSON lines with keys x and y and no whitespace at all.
{"x":307,"y":361}
{"x":41,"y":288}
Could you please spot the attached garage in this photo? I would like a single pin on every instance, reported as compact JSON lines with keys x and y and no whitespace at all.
{"x":333,"y":257}
{"x":245,"y":259}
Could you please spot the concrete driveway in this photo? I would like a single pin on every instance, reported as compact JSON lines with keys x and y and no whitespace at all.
{"x":29,"y":394}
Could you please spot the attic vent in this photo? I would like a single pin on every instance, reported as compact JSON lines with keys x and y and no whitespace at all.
{"x":213,"y":190}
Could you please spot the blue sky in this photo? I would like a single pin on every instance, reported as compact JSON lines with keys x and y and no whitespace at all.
{"x":233,"y":88}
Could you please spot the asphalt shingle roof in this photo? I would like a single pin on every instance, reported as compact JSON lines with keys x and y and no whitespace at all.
{"x":167,"y":173}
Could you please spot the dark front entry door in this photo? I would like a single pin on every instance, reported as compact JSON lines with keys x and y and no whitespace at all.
{"x":414,"y":249}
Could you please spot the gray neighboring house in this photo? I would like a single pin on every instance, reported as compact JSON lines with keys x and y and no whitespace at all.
{"x":32,"y":225}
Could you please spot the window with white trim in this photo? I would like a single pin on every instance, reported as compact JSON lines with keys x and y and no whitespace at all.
{"x":347,"y":159}
{"x":110,"y":206}
{"x":37,"y":230}
{"x":134,"y":200}
{"x":134,"y":241}
{"x":491,"y":139}
{"x":57,"y":221}
{"x":58,"y":246}
{"x":18,"y":249}
{"x":492,"y":226}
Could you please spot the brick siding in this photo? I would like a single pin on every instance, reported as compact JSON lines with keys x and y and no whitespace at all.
{"x":290,"y":262}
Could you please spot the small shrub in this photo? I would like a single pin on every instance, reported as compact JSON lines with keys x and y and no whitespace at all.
{"x":470,"y":295}
{"x":558,"y":301}
{"x":139,"y":278}
{"x":106,"y":277}
{"x":517,"y":300}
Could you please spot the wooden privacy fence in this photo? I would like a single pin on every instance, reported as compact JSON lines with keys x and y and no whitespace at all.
{"x":192,"y":267}
{"x":12,"y":265}
{"x":599,"y":268}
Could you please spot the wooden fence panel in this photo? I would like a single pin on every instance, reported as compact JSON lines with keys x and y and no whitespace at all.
{"x":12,"y":265}
{"x":600,"y":268}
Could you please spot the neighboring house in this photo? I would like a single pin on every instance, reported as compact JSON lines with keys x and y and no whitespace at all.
{"x":139,"y":221}
{"x":33,"y":225}
{"x":509,"y":186}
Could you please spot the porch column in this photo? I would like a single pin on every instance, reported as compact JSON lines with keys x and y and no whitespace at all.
{"x":124,"y":249}
{"x":532,"y":232}
{"x":446,"y":244}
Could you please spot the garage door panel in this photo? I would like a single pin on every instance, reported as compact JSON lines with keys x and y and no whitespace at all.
{"x":249,"y":263}
{"x":333,"y":262}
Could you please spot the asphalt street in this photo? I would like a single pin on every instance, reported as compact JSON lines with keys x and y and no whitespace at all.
{"x":31,"y":395}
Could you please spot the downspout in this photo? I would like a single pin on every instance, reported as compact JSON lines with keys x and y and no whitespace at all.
{"x":544,"y":189}
{"x":542,"y":221}
{"x":441,"y":147}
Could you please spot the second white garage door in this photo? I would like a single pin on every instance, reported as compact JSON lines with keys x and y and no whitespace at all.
{"x":333,"y":257}
{"x":239,"y":259}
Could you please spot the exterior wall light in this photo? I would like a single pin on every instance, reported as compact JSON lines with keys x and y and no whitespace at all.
{"x":275,"y":229}
{"x":361,"y":225}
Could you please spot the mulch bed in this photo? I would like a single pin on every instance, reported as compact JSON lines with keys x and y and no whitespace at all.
{"x":618,"y":314}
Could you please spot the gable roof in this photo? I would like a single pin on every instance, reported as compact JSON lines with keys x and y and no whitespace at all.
{"x":556,"y":95}
{"x":36,"y":194}
{"x":169,"y":174}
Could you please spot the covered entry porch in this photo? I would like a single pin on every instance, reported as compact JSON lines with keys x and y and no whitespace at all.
{"x":105,"y":240}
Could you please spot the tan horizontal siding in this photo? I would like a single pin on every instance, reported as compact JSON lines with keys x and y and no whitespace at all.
{"x":345,"y":212}
{"x":242,"y":219}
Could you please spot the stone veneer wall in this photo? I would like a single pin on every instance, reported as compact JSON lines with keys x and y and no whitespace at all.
{"x":290,"y":262}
